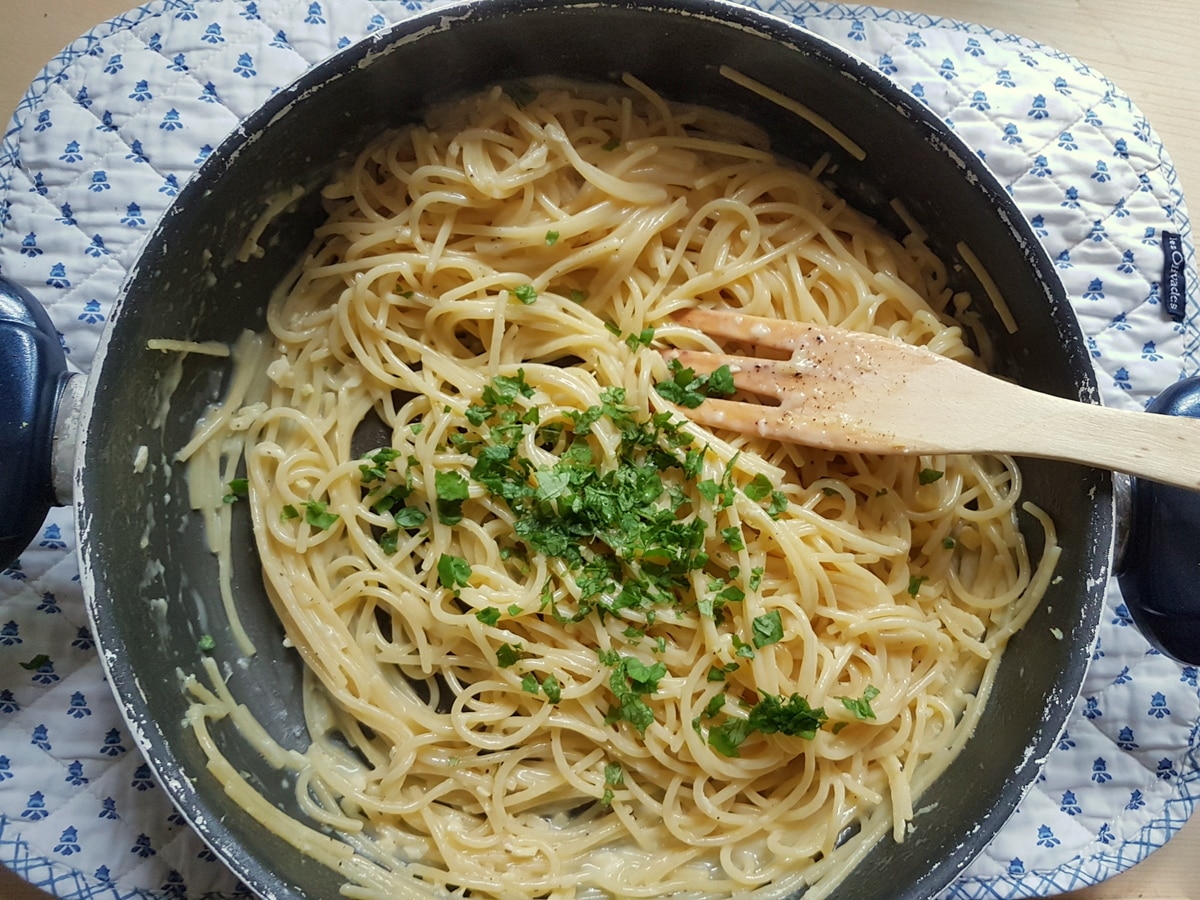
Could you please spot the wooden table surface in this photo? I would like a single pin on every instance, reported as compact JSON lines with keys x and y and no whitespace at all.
{"x":1147,"y":48}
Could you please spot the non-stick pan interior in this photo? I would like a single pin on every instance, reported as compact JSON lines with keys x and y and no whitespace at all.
{"x":151,"y":605}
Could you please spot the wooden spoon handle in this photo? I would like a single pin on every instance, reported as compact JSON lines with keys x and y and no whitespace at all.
{"x":848,"y":390}
{"x":1160,"y":448}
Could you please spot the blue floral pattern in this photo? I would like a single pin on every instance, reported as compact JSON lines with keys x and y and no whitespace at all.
{"x":115,"y":124}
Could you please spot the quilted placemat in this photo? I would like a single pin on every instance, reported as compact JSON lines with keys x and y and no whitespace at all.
{"x":115,"y":125}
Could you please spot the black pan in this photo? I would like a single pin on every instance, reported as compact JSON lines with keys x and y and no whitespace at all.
{"x":187,"y":285}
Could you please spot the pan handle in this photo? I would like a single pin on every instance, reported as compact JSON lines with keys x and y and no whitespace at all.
{"x":1160,"y":571}
{"x":33,"y":382}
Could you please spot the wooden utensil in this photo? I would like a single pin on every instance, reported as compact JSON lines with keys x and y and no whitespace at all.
{"x":851,"y":391}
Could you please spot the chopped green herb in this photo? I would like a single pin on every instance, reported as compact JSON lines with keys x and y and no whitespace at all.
{"x":688,"y":389}
{"x":718,"y":673}
{"x":316,"y":514}
{"x":552,"y":689}
{"x":453,"y":571}
{"x":410,"y":517}
{"x":36,"y":663}
{"x":207,"y":643}
{"x":728,"y":736}
{"x":388,"y":500}
{"x":771,"y":715}
{"x":742,"y":649}
{"x":914,"y":584}
{"x":614,"y":777}
{"x":489,"y":615}
{"x":451,"y":489}
{"x":767,"y":629}
{"x":793,"y":716}
{"x":514,"y":609}
{"x":578,"y":296}
{"x":756,"y":576}
{"x":529,"y":684}
{"x":238,"y":488}
{"x":733,"y":537}
{"x":949,"y":543}
{"x":289,"y":512}
{"x":526,"y":293}
{"x":375,"y":467}
{"x":507,"y":655}
{"x":611,"y":144}
{"x":643,"y":338}
{"x":861,"y":707}
{"x":631,"y":679}
{"x":929,"y":476}
{"x":551,"y":238}
{"x":389,"y":541}
{"x":758,"y":488}
{"x":715,"y":704}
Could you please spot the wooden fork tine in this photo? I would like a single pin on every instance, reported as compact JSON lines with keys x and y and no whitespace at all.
{"x":731,"y":415}
{"x":781,"y":424}
{"x":778,"y":334}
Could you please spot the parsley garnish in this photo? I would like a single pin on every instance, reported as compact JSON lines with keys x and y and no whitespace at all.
{"x":929,"y":476}
{"x":718,"y":673}
{"x":36,"y":663}
{"x":316,"y":514}
{"x":914,"y":584}
{"x":375,"y":465}
{"x":451,"y":489}
{"x":488,"y":615}
{"x":238,"y":488}
{"x":767,"y":629}
{"x":207,"y":643}
{"x":551,"y":238}
{"x":758,"y":488}
{"x":688,"y":389}
{"x":643,"y":338}
{"x":453,"y":571}
{"x":715,"y":704}
{"x":756,"y":576}
{"x":733,"y":537}
{"x":614,"y":777}
{"x":862,"y":706}
{"x":742,"y":649}
{"x":507,"y":655}
{"x":410,"y":517}
{"x":526,"y":293}
{"x":771,"y":715}
{"x":632,"y":679}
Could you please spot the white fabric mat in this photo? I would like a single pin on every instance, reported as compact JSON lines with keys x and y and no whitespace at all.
{"x":118,"y":121}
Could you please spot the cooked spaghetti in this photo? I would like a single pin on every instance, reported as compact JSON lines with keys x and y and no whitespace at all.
{"x":560,"y":641}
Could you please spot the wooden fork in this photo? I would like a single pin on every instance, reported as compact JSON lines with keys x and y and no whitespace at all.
{"x":850,"y":391}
